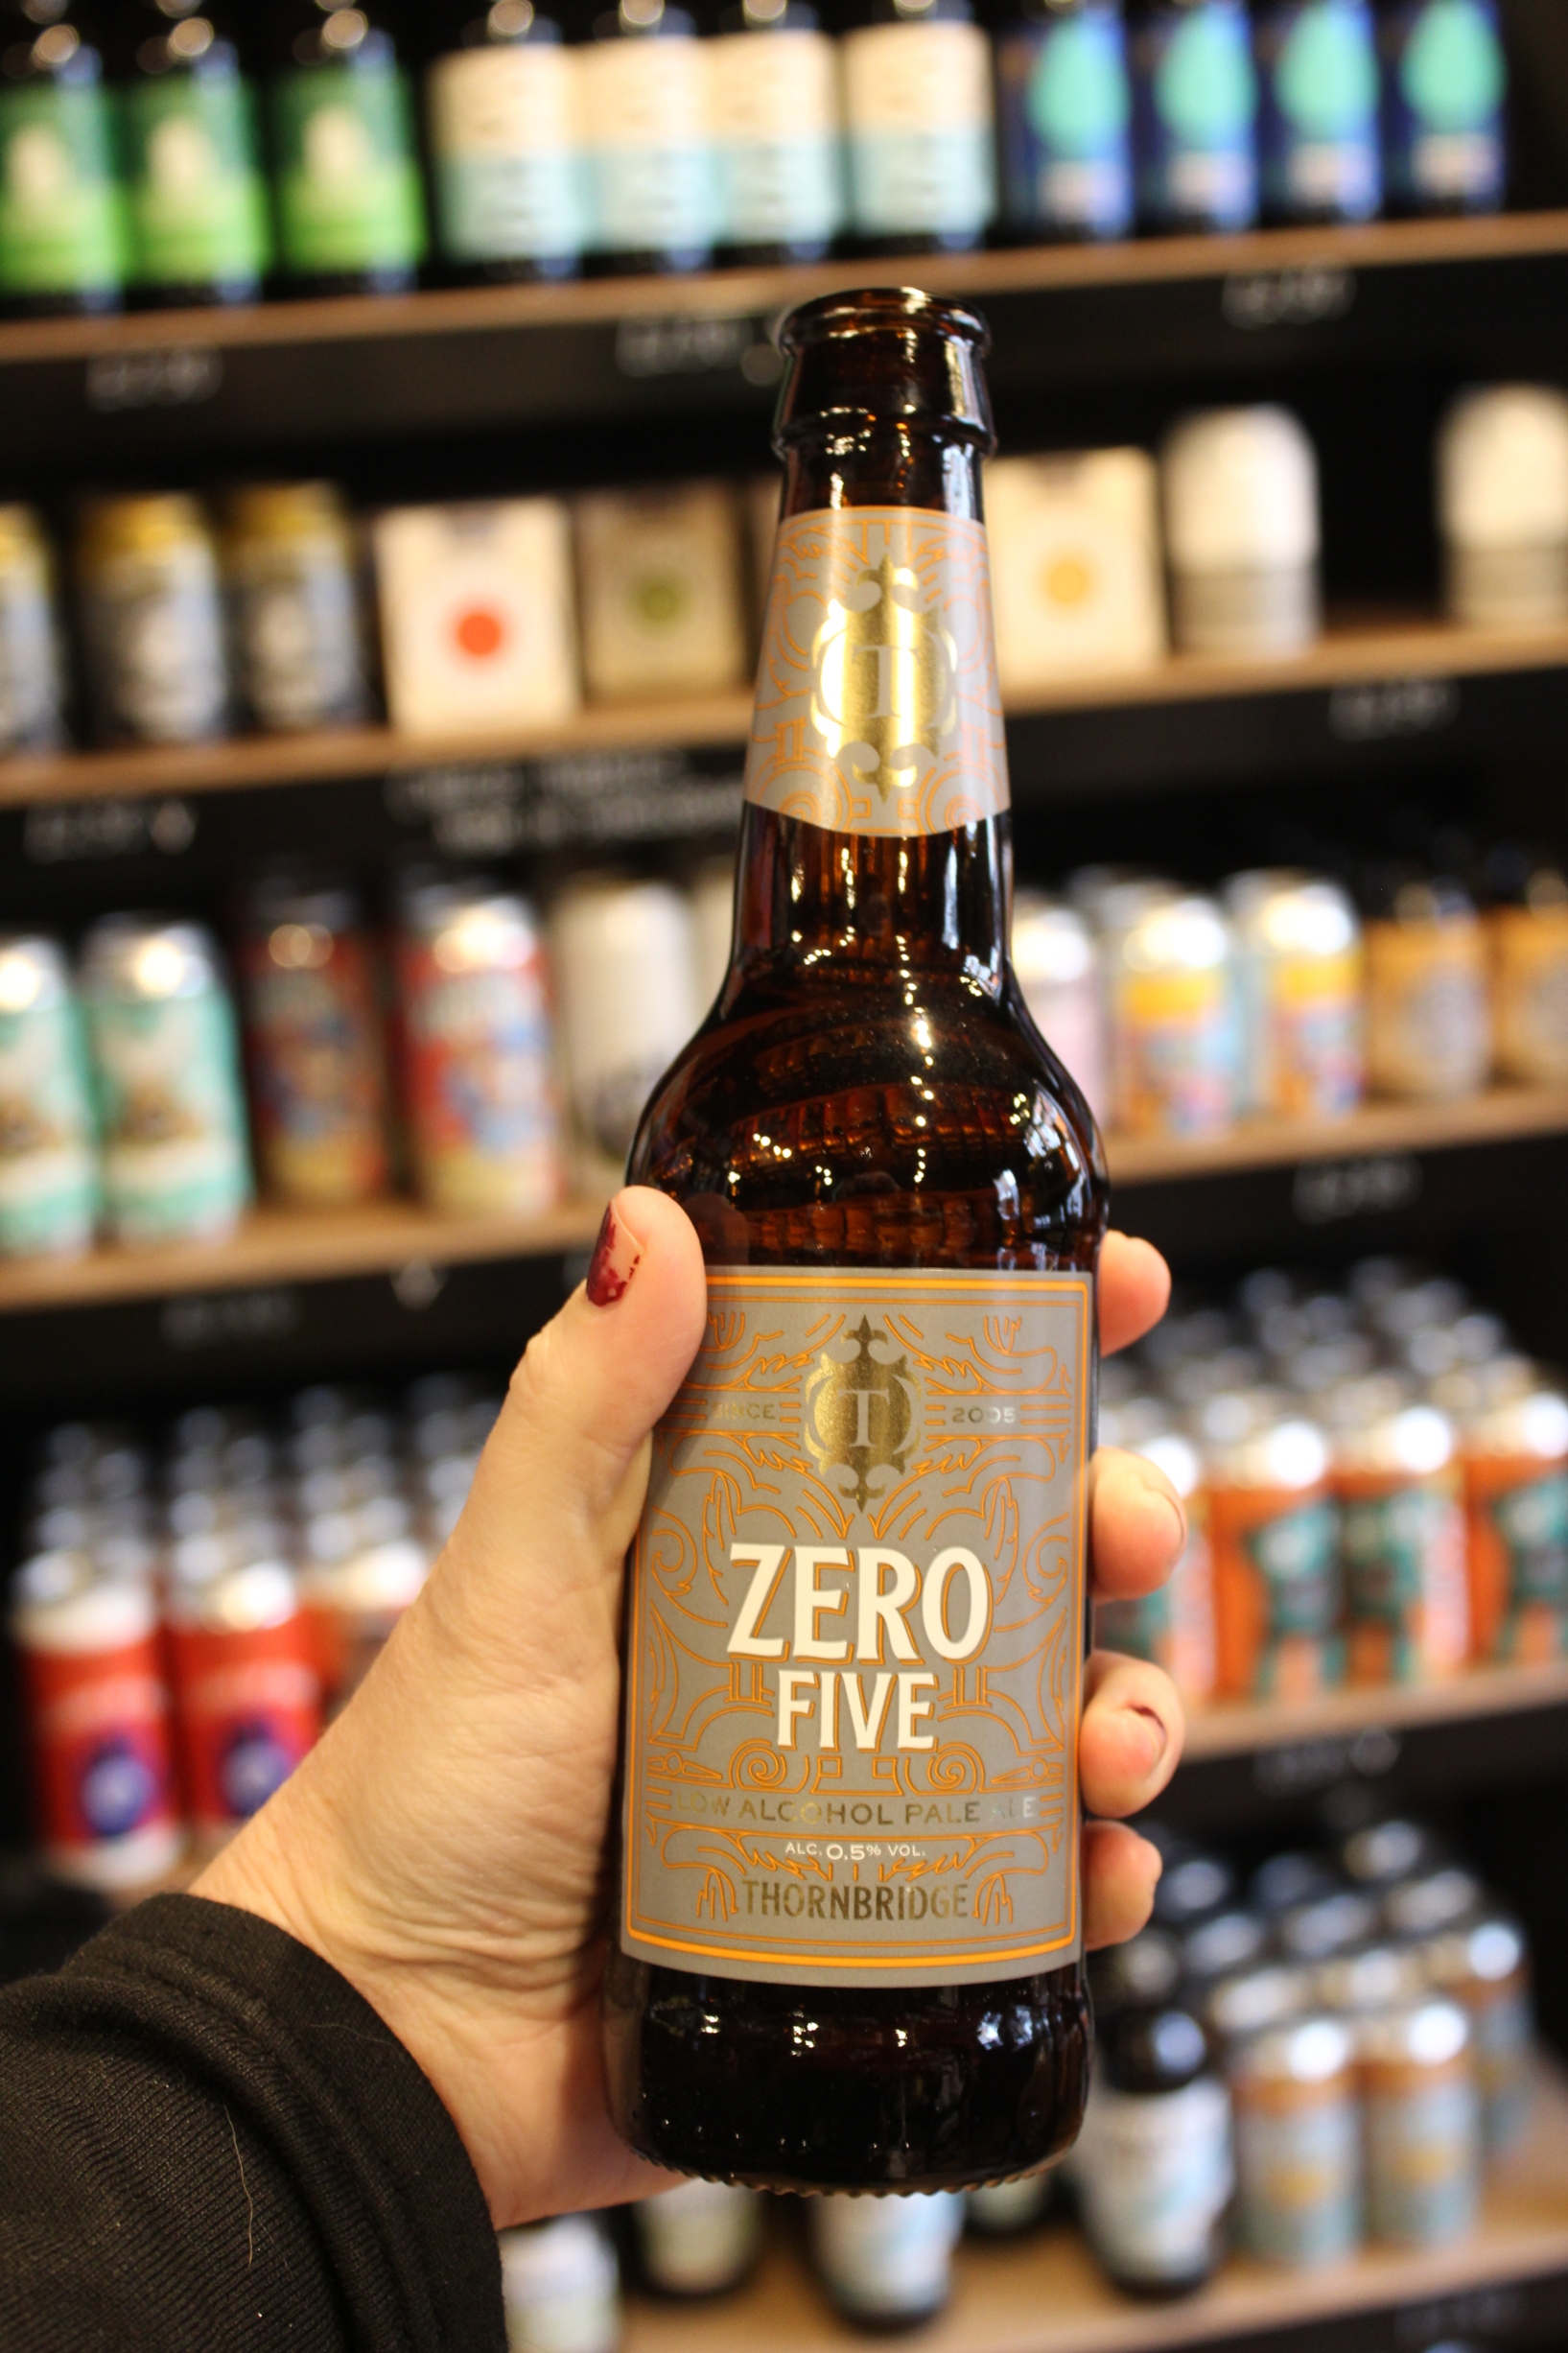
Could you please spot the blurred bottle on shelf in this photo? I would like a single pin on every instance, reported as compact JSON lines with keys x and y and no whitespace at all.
{"x":1428,"y":1019}
{"x":1444,"y":87}
{"x":622,"y":954}
{"x":153,"y":621}
{"x":199,"y":213}
{"x":653,"y":201}
{"x":48,"y":1166}
{"x":1319,"y":130}
{"x":1065,"y":121}
{"x":662,"y":590}
{"x":247,"y":1700}
{"x":476,"y":622}
{"x":1299,"y":967}
{"x":1194,"y":115}
{"x":1152,"y":2167}
{"x":1075,"y":565}
{"x":504,"y":113}
{"x":886,"y":2263}
{"x":773,"y":86}
{"x":919,"y":124}
{"x":561,"y":2288}
{"x":1242,"y":534}
{"x":31,"y":660}
{"x":1527,"y":940}
{"x":1513,"y":1435}
{"x":1053,"y":956}
{"x":313,"y":1030}
{"x":702,"y":2239}
{"x":97,"y":1710}
{"x":1297,"y":2144}
{"x":346,"y":160}
{"x":478,"y":1080}
{"x":1484,"y":1964}
{"x":1422,"y":2125}
{"x":63,"y":225}
{"x":165,"y":1052}
{"x":289,"y":566}
{"x":1503,"y":507}
{"x":1009,"y":2209}
{"x":1279,"y":1612}
{"x":1396,"y":1484}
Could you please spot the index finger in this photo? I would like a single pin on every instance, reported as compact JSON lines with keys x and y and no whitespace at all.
{"x":1135,"y":1290}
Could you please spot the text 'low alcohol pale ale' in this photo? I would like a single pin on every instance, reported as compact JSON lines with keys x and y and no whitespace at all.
{"x":847,"y":1946}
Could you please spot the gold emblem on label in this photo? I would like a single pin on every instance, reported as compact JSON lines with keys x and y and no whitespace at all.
{"x":884,"y":677}
{"x":860,"y":1412}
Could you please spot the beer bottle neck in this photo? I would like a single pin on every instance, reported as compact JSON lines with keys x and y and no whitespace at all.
{"x":834,"y":905}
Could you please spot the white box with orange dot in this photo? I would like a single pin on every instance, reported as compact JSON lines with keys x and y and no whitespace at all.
{"x":1075,"y":565}
{"x":476,"y":622}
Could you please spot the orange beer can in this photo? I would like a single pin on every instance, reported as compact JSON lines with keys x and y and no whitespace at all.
{"x":1278,"y":1609}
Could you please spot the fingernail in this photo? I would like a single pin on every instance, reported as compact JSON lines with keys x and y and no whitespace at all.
{"x":617,"y":1256}
{"x":1155,"y":1485}
{"x":1159,"y":1739}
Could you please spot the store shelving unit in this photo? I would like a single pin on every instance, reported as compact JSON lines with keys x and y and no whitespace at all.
{"x":1510,"y":2278}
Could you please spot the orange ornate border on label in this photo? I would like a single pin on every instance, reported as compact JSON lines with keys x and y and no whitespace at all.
{"x":884,"y":1470}
{"x":877,"y":704}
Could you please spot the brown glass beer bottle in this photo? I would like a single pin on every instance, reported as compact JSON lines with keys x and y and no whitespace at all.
{"x":847,"y":1945}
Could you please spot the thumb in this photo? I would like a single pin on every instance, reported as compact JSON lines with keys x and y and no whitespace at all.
{"x":594,"y":1382}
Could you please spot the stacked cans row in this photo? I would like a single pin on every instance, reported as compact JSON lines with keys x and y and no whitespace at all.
{"x":1334,"y":2051}
{"x":1375,"y":1486}
{"x":146,"y":159}
{"x":186,"y":1623}
{"x":122,"y":1095}
{"x":1287,"y":994}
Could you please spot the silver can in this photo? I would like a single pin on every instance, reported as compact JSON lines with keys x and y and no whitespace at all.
{"x":1297,"y":2144}
{"x":480,"y":1083}
{"x":31,"y":670}
{"x":623,"y":958}
{"x":1172,"y":997}
{"x":1053,"y":956}
{"x":152,"y":619}
{"x":700,"y":2239}
{"x":1423,"y":2125}
{"x":166,"y":1050}
{"x":288,"y":559}
{"x":1486,"y":1967}
{"x":1299,"y":986}
{"x":48,"y":1166}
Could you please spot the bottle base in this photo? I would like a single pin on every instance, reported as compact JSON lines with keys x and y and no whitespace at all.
{"x":1159,"y":2291}
{"x":914,"y":242}
{"x":216,"y":294}
{"x":522,"y":270}
{"x":98,"y":302}
{"x":777,"y":256}
{"x":655,"y":262}
{"x":328,"y":284}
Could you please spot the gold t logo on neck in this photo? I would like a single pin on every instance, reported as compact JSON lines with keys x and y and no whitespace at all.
{"x":859,"y":1413}
{"x":884,"y":677}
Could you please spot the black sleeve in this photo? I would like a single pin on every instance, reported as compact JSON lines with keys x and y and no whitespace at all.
{"x":209,"y":2143}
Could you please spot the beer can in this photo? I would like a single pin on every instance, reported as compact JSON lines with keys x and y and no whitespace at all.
{"x":1372,"y":1978}
{"x":1272,"y":1523}
{"x":1384,"y":1852}
{"x":1222,"y":1946}
{"x":1297,"y":2144}
{"x":1422,"y":2125}
{"x":313,"y":1027}
{"x":358,"y":1580}
{"x":1311,"y":1932}
{"x":166,"y":1053}
{"x":1174,"y":1625}
{"x":1253,"y":2001}
{"x":1428,"y":1019}
{"x":1007,"y":2209}
{"x":480,"y":1089}
{"x":290,"y":564}
{"x":246,"y":1694}
{"x":712,"y":927}
{"x":1053,"y":956}
{"x":1527,"y":948}
{"x":1171,"y":991}
{"x":97,"y":1722}
{"x":623,"y":962}
{"x":1431,"y":1902}
{"x":153,"y":621}
{"x":32,"y":668}
{"x":561,"y":2288}
{"x":48,"y":1166}
{"x":1299,"y":984}
{"x":1396,"y":1483}
{"x":886,"y":2261}
{"x":1513,"y":1421}
{"x":701,"y":2238}
{"x":1485,"y":1965}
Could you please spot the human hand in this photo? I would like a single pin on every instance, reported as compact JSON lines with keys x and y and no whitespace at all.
{"x":443,"y":1846}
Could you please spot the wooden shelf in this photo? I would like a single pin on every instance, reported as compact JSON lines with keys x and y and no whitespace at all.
{"x":1046,"y":2295}
{"x":1364,"y":653}
{"x":1240,"y":1729}
{"x":275,"y":1245}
